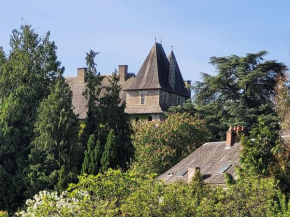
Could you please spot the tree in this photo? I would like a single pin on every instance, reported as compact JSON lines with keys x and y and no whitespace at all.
{"x":266,"y":154}
{"x":114,"y":118}
{"x":109,"y":156}
{"x":282,"y":102}
{"x":160,"y":145}
{"x":25,"y":77}
{"x":91,"y":93}
{"x":93,"y":154}
{"x":55,"y":151}
{"x":242,"y":90}
{"x":108,"y":123}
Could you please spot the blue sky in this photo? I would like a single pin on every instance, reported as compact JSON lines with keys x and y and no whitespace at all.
{"x":123,"y":31}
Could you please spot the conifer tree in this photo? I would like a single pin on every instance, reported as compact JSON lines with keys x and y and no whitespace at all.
{"x":91,"y":93}
{"x":25,"y":77}
{"x":91,"y":164}
{"x":109,"y":156}
{"x":114,"y":118}
{"x":55,"y":152}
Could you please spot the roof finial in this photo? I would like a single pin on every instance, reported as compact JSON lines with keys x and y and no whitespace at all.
{"x":161,"y":40}
{"x":172,"y":47}
{"x":155,"y":38}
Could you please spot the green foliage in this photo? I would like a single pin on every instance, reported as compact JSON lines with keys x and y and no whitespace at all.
{"x":55,"y":156}
{"x":253,"y":197}
{"x":114,"y":118}
{"x":265,"y":154}
{"x":93,"y":154}
{"x":160,"y":145}
{"x":25,"y":77}
{"x":128,"y":194}
{"x":92,"y":91}
{"x":3,"y":214}
{"x":109,"y":156}
{"x":242,"y":90}
{"x":105,"y":117}
{"x":258,"y":156}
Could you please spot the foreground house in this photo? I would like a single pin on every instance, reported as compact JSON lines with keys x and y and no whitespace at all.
{"x":157,"y":86}
{"x":212,"y":160}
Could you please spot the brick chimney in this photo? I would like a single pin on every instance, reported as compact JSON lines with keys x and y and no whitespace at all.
{"x":123,"y":71}
{"x":233,"y":135}
{"x":81,"y":77}
{"x":191,"y":172}
{"x":230,"y":137}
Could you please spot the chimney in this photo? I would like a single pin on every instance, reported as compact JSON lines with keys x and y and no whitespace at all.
{"x":123,"y":71}
{"x":187,"y":82}
{"x":230,"y":137}
{"x":191,"y":172}
{"x":233,"y":135}
{"x":81,"y":78}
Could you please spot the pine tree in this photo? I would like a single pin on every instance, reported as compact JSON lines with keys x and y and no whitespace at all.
{"x":25,"y":77}
{"x":55,"y":150}
{"x":109,"y":156}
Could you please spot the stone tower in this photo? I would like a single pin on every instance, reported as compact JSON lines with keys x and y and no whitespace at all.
{"x":157,"y":86}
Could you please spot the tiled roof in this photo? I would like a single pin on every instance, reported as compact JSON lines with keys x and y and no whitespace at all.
{"x":212,"y":158}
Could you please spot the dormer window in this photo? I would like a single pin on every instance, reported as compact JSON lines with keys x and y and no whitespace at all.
{"x":142,"y":98}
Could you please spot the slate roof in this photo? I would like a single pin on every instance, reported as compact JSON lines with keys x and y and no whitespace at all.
{"x":154,"y":73}
{"x":211,"y":158}
{"x":179,"y":82}
{"x":80,"y":102}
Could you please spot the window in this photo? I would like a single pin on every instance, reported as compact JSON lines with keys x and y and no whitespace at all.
{"x":142,"y":98}
{"x":164,"y":98}
{"x":224,"y":168}
{"x":150,"y":118}
{"x":178,"y":101}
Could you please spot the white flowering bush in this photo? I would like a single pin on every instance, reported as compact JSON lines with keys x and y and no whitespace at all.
{"x":47,"y":203}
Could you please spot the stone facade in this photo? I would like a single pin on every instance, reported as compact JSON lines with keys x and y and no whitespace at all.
{"x":154,"y":103}
{"x":157,"y":86}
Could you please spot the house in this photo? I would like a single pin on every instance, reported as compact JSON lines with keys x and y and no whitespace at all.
{"x":157,"y":86}
{"x":78,"y":86}
{"x":212,"y":160}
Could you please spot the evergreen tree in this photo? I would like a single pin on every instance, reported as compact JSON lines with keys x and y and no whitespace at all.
{"x":55,"y":152}
{"x":93,"y":154}
{"x":25,"y":77}
{"x":91,"y":93}
{"x":242,"y":90}
{"x":115,"y":118}
{"x":109,"y":156}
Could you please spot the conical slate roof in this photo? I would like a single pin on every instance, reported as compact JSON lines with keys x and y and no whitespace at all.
{"x":154,"y":73}
{"x":179,"y":85}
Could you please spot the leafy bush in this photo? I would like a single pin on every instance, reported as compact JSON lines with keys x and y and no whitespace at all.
{"x":128,"y":194}
{"x":160,"y":145}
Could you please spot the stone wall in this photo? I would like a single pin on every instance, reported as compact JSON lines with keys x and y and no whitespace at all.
{"x":171,"y":98}
{"x":134,"y":97}
{"x":154,"y":101}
